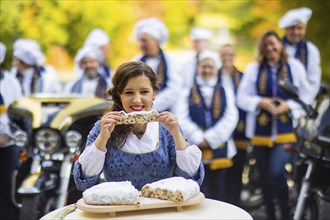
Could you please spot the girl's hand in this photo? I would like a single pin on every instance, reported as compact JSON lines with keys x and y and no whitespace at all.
{"x":170,"y":122}
{"x":108,"y":123}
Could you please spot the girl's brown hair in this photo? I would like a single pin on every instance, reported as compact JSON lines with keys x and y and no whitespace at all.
{"x":124,"y":73}
{"x":261,"y":58}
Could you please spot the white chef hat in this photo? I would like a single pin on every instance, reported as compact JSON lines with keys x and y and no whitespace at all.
{"x":21,"y":42}
{"x":211,"y":55}
{"x":28,"y":51}
{"x":97,"y":38}
{"x":294,"y":16}
{"x":152,"y":26}
{"x":2,"y":52}
{"x":89,"y":51}
{"x":199,"y":33}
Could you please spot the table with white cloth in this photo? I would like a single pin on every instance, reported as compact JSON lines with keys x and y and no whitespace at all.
{"x":207,"y":209}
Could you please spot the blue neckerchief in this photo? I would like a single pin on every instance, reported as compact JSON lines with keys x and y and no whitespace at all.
{"x":241,"y":141}
{"x":36,"y":84}
{"x":106,"y":71}
{"x":202,"y":115}
{"x":265,"y":87}
{"x":37,"y":80}
{"x":100,"y":90}
{"x":301,"y":50}
{"x":206,"y":117}
{"x":161,"y":70}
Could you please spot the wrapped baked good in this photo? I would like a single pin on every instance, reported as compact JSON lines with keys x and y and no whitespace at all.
{"x":112,"y":193}
{"x":138,"y":117}
{"x":177,"y":189}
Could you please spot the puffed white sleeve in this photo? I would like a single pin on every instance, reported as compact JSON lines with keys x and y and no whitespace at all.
{"x":92,"y":153}
{"x":164,"y":99}
{"x":247,"y":97}
{"x":221,"y":132}
{"x":190,"y":129}
{"x":189,"y":159}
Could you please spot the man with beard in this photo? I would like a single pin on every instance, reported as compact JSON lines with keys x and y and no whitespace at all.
{"x":91,"y":82}
{"x":98,"y":38}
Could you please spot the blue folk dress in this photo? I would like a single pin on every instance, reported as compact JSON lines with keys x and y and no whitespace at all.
{"x":140,"y":169}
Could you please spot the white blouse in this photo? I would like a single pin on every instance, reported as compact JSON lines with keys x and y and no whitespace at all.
{"x":188,"y":160}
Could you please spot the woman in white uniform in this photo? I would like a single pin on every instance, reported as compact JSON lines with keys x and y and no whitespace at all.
{"x":208,"y":117}
{"x":269,"y":116}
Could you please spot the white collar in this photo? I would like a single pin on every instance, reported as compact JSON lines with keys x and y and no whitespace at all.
{"x":148,"y":142}
{"x":28,"y":74}
{"x":86,"y":78}
{"x":209,"y":83}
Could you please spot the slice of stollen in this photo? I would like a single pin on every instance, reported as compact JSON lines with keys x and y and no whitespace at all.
{"x":138,"y":117}
{"x":177,"y":189}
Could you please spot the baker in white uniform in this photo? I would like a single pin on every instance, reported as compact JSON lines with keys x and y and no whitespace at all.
{"x":98,"y":38}
{"x":208,"y":116}
{"x":91,"y":83}
{"x":295,"y":24}
{"x":29,"y":68}
{"x":151,"y":33}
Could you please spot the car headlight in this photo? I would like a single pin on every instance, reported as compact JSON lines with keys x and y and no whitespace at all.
{"x":47,"y":140}
{"x":21,"y":138}
{"x":72,"y":139}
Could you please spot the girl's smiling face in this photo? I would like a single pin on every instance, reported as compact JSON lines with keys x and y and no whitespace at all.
{"x":138,"y":94}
